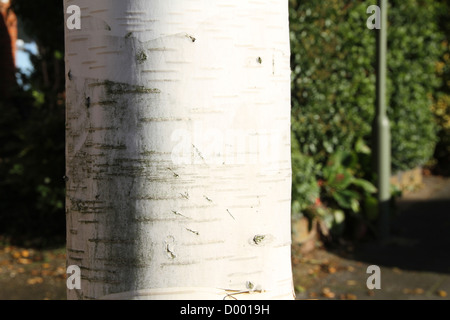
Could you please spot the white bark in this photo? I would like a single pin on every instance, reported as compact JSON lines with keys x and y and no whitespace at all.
{"x":178,"y":149}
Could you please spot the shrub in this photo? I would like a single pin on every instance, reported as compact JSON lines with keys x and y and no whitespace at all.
{"x":333,"y":95}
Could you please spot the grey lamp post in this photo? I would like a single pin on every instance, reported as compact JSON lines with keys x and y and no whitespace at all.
{"x":382,"y":127}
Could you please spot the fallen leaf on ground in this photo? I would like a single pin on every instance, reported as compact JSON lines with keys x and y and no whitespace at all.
{"x":350,"y":269}
{"x":442,"y":293}
{"x":25,"y":253}
{"x":299,"y":288}
{"x":35,"y":280}
{"x":46,"y":273}
{"x":24,"y":261}
{"x":332,"y":270}
{"x":418,"y":291}
{"x":406,"y":291}
{"x":351,"y":282}
{"x":327,"y":293}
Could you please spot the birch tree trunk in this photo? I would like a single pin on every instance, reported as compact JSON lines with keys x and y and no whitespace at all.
{"x":178,"y":149}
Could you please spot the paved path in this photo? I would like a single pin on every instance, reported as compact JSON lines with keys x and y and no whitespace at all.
{"x":414,"y":263}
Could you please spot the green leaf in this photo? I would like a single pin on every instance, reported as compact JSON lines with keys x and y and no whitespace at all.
{"x":354,"y":203}
{"x":361,"y":147}
{"x":342,"y":200}
{"x":366,"y":185}
{"x":339,"y":216}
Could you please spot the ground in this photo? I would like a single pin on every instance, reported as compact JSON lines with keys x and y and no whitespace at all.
{"x":414,"y":262}
{"x":30,"y":274}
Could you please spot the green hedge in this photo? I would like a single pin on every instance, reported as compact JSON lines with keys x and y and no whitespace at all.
{"x":333,"y":93}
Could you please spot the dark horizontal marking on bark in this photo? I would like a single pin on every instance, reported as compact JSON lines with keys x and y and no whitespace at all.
{"x":135,"y":12}
{"x":133,"y":24}
{"x":179,"y":62}
{"x":84,"y":268}
{"x":251,"y":196}
{"x":89,"y":201}
{"x":101,"y":129}
{"x":77,"y":189}
{"x":160,"y":119}
{"x":159,"y":71}
{"x":128,"y":173}
{"x":97,"y":67}
{"x":124,"y":263}
{"x":118,"y":161}
{"x":75,"y":258}
{"x":179,"y":214}
{"x":89,"y":62}
{"x":188,"y":244}
{"x":101,"y":280}
{"x":121,"y":241}
{"x":164,"y":80}
{"x":153,"y":198}
{"x":96,"y":210}
{"x":109,"y":147}
{"x":243,"y":258}
{"x":75,"y":250}
{"x":250,"y":273}
{"x":179,"y":263}
{"x":200,"y":206}
{"x":88,"y":221}
{"x":123,"y":88}
{"x":282,"y":245}
{"x":97,"y":48}
{"x":196,"y":233}
{"x":151,"y":220}
{"x":151,"y":152}
{"x":217,"y":258}
{"x":126,"y":18}
{"x":78,"y":39}
{"x":109,"y":52}
{"x":100,"y":10}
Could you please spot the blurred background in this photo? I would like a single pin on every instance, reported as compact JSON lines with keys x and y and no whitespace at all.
{"x":334,"y":204}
